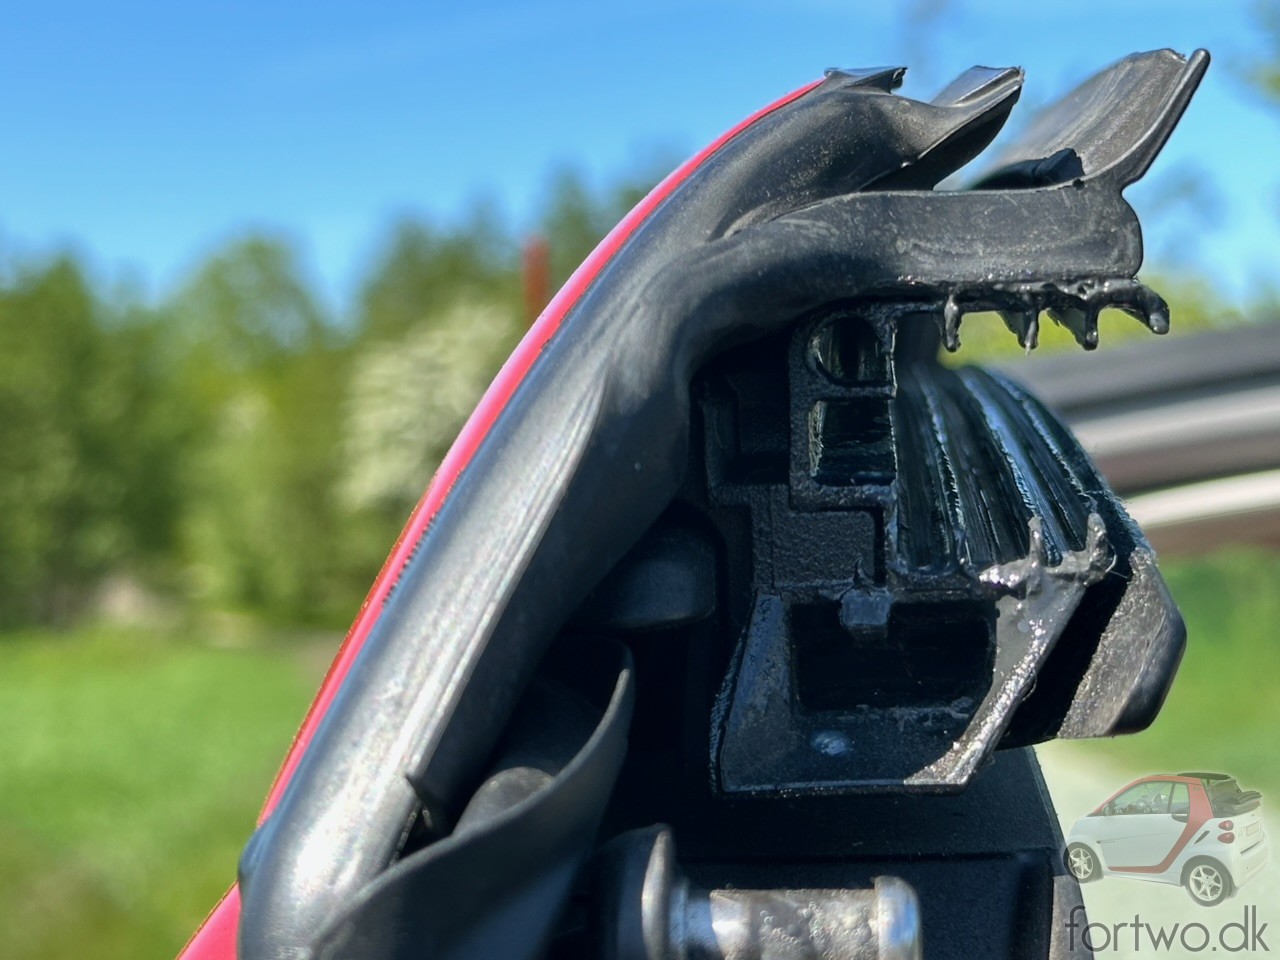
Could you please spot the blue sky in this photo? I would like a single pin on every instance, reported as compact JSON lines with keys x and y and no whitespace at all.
{"x":145,"y":134}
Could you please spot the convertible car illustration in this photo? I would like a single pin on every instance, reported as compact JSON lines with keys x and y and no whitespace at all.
{"x":1199,"y":830}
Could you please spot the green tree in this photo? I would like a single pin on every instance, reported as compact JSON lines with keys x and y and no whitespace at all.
{"x":422,"y":269}
{"x":409,"y":396}
{"x":1263,"y":73}
{"x":88,"y":420}
{"x":262,"y":528}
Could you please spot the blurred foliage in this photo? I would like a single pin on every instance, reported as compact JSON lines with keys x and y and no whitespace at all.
{"x":260,"y":527}
{"x":90,"y":418}
{"x":410,"y":395}
{"x":1264,"y":72}
{"x":422,"y":267}
{"x":236,"y":446}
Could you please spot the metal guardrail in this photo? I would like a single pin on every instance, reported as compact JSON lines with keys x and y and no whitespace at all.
{"x":1187,"y":429}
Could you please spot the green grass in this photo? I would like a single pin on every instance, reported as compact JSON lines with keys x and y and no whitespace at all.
{"x":131,"y":771}
{"x":1223,"y":713}
{"x":132,"y":766}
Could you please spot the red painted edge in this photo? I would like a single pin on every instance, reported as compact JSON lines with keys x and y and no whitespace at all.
{"x":216,"y":938}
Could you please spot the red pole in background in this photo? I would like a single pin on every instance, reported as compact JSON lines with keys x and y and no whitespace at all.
{"x":535,"y":263}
